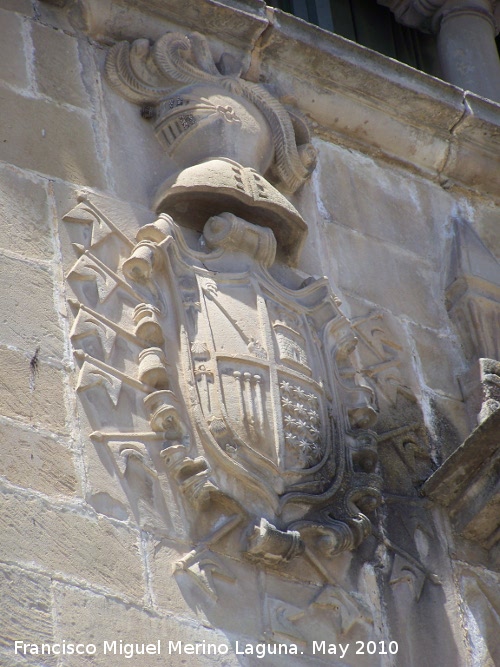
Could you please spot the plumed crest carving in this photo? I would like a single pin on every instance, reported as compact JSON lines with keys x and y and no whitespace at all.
{"x":148,"y":74}
{"x":185,"y":58}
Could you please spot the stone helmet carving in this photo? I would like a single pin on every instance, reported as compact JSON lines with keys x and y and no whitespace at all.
{"x":203,"y":110}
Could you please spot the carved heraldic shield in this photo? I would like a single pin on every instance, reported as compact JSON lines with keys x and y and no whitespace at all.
{"x":207,"y":361}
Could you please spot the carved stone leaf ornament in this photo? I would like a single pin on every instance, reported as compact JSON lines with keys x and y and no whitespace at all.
{"x":230,"y":391}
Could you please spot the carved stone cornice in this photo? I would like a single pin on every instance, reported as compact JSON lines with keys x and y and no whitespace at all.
{"x":466,"y":47}
{"x":360,"y":98}
{"x":351,"y":95}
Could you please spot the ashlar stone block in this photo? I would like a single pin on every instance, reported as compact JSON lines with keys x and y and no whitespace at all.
{"x":58,"y":67}
{"x":69,"y":544}
{"x":109,"y":624}
{"x":24,"y":223}
{"x":383,"y":203}
{"x":135,"y":180}
{"x":13,"y":68}
{"x":36,"y":461}
{"x":26,"y":609}
{"x":28,"y":317}
{"x":10,"y":659}
{"x":381,"y":273}
{"x":45,"y":137}
{"x":442,"y":345}
{"x":42,"y":405}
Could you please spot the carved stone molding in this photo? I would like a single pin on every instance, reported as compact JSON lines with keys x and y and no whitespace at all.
{"x":467,"y":483}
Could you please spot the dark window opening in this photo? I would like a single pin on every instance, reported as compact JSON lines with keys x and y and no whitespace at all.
{"x":368,"y":24}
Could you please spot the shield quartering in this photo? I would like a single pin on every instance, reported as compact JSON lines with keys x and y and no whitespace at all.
{"x":263,"y":368}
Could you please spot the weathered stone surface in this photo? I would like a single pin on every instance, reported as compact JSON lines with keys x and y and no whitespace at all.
{"x":473,"y":293}
{"x":211,"y":592}
{"x":58,"y":66}
{"x":12,"y":55}
{"x":22,"y":6}
{"x":368,"y":197}
{"x":431,"y":344}
{"x":44,"y":405}
{"x":29,"y":318}
{"x":165,"y":590}
{"x":36,"y":461}
{"x":11,"y":660}
{"x":47,"y":138}
{"x":485,"y":223}
{"x":24,"y":220}
{"x":403,"y":283}
{"x":450,"y":422}
{"x":480,"y":590}
{"x":134,"y":180}
{"x":84,"y":616}
{"x":71,"y":545}
{"x":26,"y":610}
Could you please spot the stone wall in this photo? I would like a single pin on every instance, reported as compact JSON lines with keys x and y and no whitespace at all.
{"x":78,"y":561}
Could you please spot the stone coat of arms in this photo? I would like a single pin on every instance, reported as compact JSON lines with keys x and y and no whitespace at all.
{"x":206,"y":359}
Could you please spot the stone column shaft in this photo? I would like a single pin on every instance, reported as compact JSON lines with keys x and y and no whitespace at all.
{"x":466,"y":46}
